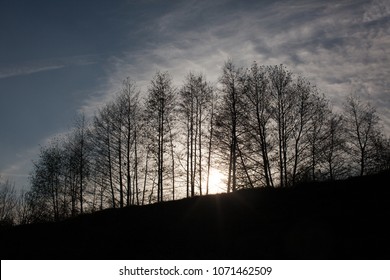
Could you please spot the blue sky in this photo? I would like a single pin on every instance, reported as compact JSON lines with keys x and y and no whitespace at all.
{"x":60,"y":58}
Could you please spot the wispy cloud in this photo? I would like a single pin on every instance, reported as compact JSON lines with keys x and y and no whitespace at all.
{"x":31,"y":67}
{"x":340,"y":46}
{"x":26,"y":70}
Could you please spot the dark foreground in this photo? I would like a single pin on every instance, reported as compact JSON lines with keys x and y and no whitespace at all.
{"x":340,"y":220}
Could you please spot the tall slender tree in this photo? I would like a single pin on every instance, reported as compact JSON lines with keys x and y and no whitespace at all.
{"x":194,"y":106}
{"x":128,"y":100}
{"x":258,"y":117}
{"x":46,"y":182}
{"x":280,"y":82}
{"x":103,"y":153}
{"x":8,"y":202}
{"x":232,"y":87}
{"x":334,"y":147}
{"x":361,"y":122}
{"x":160,"y":108}
{"x":80,"y":150}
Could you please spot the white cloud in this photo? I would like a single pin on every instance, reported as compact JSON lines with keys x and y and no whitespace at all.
{"x":335,"y":45}
{"x":375,"y":10}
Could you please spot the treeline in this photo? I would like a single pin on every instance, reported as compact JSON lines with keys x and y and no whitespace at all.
{"x":261,"y":126}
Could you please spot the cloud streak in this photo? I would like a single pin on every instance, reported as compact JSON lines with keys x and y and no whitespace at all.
{"x":26,"y":70}
{"x":32,"y":67}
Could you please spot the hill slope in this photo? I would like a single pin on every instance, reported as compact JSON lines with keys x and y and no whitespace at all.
{"x":338,"y":220}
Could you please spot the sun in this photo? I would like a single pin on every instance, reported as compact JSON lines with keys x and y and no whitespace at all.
{"x":216,"y":181}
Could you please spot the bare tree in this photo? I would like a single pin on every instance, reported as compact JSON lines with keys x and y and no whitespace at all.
{"x":283,"y":115}
{"x":128,"y":100}
{"x":79,"y":150}
{"x":195,"y":103}
{"x":103,"y":159}
{"x":258,"y":118}
{"x":316,"y":134}
{"x":47,"y":182}
{"x":361,"y":123}
{"x":381,"y":157}
{"x":160,"y":106}
{"x":210,"y":135}
{"x":8,"y":202}
{"x":306,"y":105}
{"x":334,"y":147}
{"x":232,"y":83}
{"x":263,"y":127}
{"x":295,"y":111}
{"x":23,"y":210}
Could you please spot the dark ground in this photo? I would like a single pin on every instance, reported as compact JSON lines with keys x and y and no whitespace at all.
{"x":346,"y":219}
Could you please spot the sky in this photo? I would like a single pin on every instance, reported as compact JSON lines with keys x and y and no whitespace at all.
{"x":62,"y":58}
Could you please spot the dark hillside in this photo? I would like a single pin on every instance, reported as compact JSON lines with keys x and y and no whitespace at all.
{"x":346,"y":219}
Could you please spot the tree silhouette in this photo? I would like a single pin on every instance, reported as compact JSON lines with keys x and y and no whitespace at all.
{"x":47,"y":183}
{"x":262,"y":126}
{"x":160,"y":106}
{"x":228,"y":118}
{"x":195,"y":107}
{"x":8,"y":202}
{"x":258,"y":119}
{"x":361,"y":123}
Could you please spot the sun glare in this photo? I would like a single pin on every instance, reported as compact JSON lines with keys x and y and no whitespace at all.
{"x":216,"y":183}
